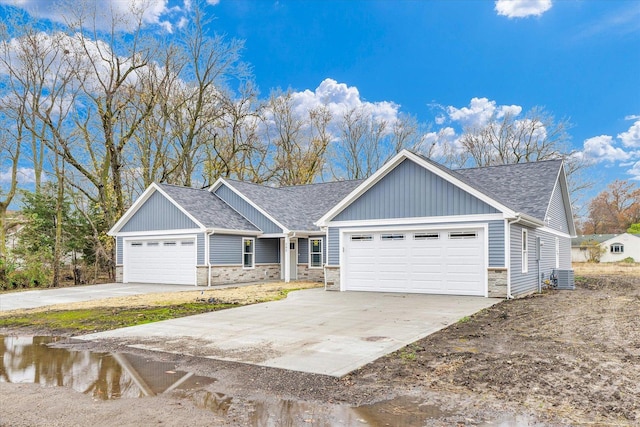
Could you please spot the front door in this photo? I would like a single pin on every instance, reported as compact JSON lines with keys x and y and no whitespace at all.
{"x":293,"y":263}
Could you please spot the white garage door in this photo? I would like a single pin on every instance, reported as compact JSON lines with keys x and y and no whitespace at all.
{"x":433,"y":262}
{"x":171,"y":261}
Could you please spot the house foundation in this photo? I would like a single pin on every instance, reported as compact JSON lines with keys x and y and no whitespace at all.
{"x":331,"y":278}
{"x":310,"y":274}
{"x":497,"y":281}
{"x":229,"y":274}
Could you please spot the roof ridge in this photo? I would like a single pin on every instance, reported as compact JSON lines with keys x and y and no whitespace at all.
{"x":509,"y":164}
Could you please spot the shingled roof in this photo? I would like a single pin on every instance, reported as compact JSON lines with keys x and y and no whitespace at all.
{"x":297,"y":207}
{"x":207,"y":208}
{"x":523,"y":187}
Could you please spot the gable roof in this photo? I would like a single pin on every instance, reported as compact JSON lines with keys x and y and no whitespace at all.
{"x":524,"y":187}
{"x":599,"y":238}
{"x":205,"y":209}
{"x":208,"y":208}
{"x":296,"y":207}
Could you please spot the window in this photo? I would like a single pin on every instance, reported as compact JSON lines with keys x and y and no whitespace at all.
{"x":361,"y":237}
{"x":426,"y":236}
{"x":617,"y":248}
{"x":169,"y":244}
{"x":392,"y":236}
{"x":153,"y":243}
{"x":463,"y":235}
{"x":557,"y":252}
{"x":315,"y":253}
{"x":247,"y":253}
{"x":136,"y":244}
{"x":525,"y":251}
{"x":187,"y":243}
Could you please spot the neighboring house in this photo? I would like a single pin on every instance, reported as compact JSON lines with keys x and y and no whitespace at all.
{"x":413,"y":226}
{"x":615,"y":247}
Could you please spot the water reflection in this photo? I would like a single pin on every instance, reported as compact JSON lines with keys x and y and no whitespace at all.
{"x":104,"y":376}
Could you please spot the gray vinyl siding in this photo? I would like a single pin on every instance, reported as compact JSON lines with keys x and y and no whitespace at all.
{"x":524,"y":283}
{"x":333,"y":246}
{"x":225,"y":249}
{"x":557,"y":214}
{"x":303,"y":249}
{"x":409,"y":191}
{"x":200,"y":238}
{"x":246,"y":210}
{"x":267,"y":251}
{"x":496,"y":244}
{"x":158,"y":213}
{"x":119,"y":250}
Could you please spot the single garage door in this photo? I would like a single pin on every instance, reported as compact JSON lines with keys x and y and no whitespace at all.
{"x":171,"y":261}
{"x":433,"y":262}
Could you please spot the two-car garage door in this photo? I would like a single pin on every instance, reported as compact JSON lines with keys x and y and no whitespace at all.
{"x":434,"y":261}
{"x":163,"y":260}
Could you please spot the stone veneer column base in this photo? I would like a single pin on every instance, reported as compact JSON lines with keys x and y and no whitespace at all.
{"x":119,"y":273}
{"x":331,"y":278}
{"x":497,"y":278}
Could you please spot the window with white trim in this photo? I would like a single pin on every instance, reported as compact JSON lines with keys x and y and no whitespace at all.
{"x":525,"y":251}
{"x":361,"y":237}
{"x":248,"y":245}
{"x":617,"y":248}
{"x":136,"y":244}
{"x":426,"y":236}
{"x":392,"y":237}
{"x":463,"y":235}
{"x":315,"y":252}
{"x":557,"y":252}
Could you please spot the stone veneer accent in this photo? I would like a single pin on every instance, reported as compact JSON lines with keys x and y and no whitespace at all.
{"x":331,"y":278}
{"x":226,"y":274}
{"x":497,"y":278}
{"x":310,"y":274}
{"x":119,"y":273}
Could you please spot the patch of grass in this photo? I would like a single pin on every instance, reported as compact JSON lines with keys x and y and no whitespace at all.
{"x":409,"y":353}
{"x":105,"y":318}
{"x":465,"y":319}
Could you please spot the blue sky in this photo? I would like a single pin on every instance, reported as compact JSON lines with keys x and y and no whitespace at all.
{"x":447,"y":62}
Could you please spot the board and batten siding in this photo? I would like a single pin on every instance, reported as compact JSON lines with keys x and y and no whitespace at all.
{"x":245,"y":209}
{"x":157,"y":213}
{"x":303,"y":249}
{"x":225,"y":249}
{"x":525,"y":283}
{"x":267,"y":251}
{"x":557,"y":215}
{"x":495,"y":237}
{"x":410,"y":191}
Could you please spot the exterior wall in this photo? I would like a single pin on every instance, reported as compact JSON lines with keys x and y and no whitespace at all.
{"x":303,"y":249}
{"x":119,"y":274}
{"x":201,"y":276}
{"x":526,"y":283}
{"x":158,"y":213}
{"x":119,"y":250}
{"x":267,"y":251}
{"x":497,"y":282}
{"x":333,"y":246}
{"x":245,"y":209}
{"x":579,"y":254}
{"x":410,"y":191}
{"x":557,"y":216}
{"x":631,"y":248}
{"x":225,"y":249}
{"x":331,"y":278}
{"x":229,"y":274}
{"x":310,"y":274}
{"x":496,"y":244}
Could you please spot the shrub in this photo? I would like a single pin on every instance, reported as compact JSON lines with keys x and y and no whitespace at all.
{"x":629,"y":260}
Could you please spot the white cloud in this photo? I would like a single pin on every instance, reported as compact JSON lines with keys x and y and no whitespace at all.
{"x":632,"y":117}
{"x":213,"y":2}
{"x":601,"y":148}
{"x":635,"y":171}
{"x":123,"y":12}
{"x":522,"y":8}
{"x":631,"y":138}
{"x":25,"y":176}
{"x":480,"y":111}
{"x":339,"y":99}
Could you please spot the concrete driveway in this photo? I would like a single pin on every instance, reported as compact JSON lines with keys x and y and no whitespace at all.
{"x":44,"y":297}
{"x":331,"y":333}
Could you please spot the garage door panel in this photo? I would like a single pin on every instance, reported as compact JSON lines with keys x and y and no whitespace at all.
{"x":170,"y":261}
{"x":445,"y":265}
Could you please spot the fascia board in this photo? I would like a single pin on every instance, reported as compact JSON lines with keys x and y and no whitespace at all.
{"x":133,"y":209}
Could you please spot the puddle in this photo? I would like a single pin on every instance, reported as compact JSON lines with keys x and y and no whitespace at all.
{"x":107,"y":376}
{"x":103,"y":376}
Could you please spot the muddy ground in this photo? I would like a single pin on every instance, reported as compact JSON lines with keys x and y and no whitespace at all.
{"x":560,"y":358}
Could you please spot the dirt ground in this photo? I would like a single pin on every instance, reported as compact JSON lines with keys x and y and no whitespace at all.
{"x":560,"y":358}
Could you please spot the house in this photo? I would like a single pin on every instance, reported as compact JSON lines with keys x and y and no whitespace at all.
{"x":413,"y":226}
{"x":615,"y":247}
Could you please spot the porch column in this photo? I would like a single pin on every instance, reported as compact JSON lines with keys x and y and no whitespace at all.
{"x":287,"y":259}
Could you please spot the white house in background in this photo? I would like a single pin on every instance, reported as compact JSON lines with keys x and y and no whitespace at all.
{"x":616,"y":247}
